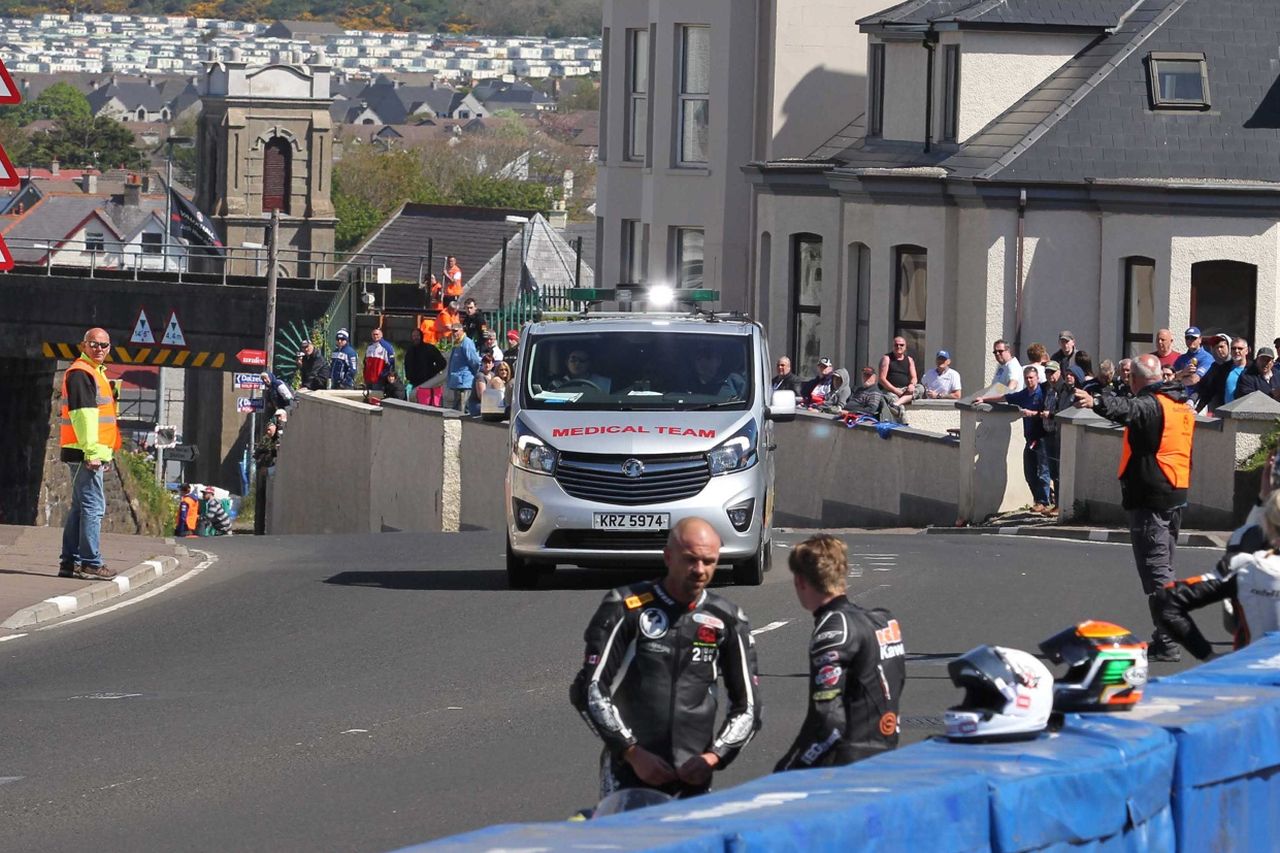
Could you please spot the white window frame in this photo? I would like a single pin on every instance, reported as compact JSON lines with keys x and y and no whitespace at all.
{"x":875,"y":89}
{"x":686,"y":97}
{"x":951,"y":93}
{"x":678,"y":234}
{"x":635,"y":260}
{"x":637,"y":76}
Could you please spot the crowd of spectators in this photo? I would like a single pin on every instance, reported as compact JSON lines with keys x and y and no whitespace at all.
{"x":1211,"y":371}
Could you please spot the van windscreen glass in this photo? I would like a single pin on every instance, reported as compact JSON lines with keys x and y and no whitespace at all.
{"x":622,"y":371}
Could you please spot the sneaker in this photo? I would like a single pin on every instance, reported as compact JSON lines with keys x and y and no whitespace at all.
{"x":66,"y":568}
{"x":96,"y":573}
{"x":1164,"y":651}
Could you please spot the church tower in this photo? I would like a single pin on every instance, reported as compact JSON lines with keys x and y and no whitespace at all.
{"x":265,"y":142}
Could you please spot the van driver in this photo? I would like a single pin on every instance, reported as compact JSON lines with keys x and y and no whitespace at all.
{"x":578,"y":374}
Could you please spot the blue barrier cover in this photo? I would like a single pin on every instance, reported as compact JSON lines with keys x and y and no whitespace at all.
{"x":1226,"y":781}
{"x":589,"y":835}
{"x":1071,"y":788}
{"x":858,"y":807}
{"x":1256,"y":663}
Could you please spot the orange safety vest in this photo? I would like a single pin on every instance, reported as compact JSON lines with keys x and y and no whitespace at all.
{"x":444,"y":320}
{"x":108,"y":431}
{"x":453,"y":283}
{"x":1174,"y":454}
{"x":188,"y":514}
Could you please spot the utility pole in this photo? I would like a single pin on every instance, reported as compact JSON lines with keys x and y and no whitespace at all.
{"x":273,"y":256}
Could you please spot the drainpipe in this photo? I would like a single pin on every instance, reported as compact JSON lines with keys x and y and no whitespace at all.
{"x":1021,"y":278}
{"x":930,"y":47}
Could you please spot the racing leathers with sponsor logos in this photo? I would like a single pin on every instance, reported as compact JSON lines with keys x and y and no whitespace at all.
{"x":649,"y":679}
{"x":857,"y":670}
{"x":1250,"y":581}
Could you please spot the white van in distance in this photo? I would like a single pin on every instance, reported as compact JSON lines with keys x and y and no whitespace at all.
{"x":623,"y":425}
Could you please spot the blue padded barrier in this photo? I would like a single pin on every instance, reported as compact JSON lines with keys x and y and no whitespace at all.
{"x":1226,"y":784}
{"x":589,"y":835}
{"x":1101,"y":788}
{"x":1257,"y":663}
{"x":857,"y":807}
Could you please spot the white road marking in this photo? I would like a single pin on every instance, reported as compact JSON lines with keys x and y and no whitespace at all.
{"x":209,"y":560}
{"x":64,"y":603}
{"x":11,"y":637}
{"x":355,"y":731}
{"x":4,"y":780}
{"x":772,"y":626}
{"x":121,"y":582}
{"x":105,"y":696}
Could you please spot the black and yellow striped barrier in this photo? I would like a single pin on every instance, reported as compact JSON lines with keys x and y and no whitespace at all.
{"x":155,"y":356}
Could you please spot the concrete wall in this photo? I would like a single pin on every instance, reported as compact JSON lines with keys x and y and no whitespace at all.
{"x":904,"y":89}
{"x":485,"y":453}
{"x":322,"y":481}
{"x":829,"y":475}
{"x":407,"y":468}
{"x":990,"y":467}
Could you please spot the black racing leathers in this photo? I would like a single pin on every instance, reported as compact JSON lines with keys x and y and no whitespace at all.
{"x":857,"y":670}
{"x":650,"y":672}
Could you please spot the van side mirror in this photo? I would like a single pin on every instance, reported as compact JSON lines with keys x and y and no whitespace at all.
{"x":492,"y":405}
{"x":782,"y":406}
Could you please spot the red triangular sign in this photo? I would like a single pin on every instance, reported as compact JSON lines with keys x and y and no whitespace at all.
{"x":6,"y":259}
{"x":9,"y":93}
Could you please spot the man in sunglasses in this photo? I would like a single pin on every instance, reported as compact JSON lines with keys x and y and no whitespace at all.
{"x":785,"y":379}
{"x":89,"y":436}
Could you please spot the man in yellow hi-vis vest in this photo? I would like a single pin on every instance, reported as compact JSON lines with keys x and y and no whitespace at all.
{"x":89,"y":437}
{"x":1155,"y":475}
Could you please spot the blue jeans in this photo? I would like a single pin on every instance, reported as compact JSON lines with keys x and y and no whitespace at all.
{"x":1035,"y":468}
{"x":83,"y":527}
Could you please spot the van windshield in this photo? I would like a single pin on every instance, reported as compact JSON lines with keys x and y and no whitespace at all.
{"x":621,"y":371}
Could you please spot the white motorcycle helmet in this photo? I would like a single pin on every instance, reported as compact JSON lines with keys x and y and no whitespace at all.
{"x":1008,"y":695}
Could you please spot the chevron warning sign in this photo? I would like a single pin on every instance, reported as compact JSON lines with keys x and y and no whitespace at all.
{"x":9,"y":94}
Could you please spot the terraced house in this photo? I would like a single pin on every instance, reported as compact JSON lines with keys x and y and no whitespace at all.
{"x":1108,"y":165}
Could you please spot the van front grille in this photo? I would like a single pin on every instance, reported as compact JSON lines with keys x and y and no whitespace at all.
{"x":601,"y":478}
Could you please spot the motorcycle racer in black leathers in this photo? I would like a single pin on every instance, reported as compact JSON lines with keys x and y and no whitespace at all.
{"x":1251,"y":582}
{"x":856,"y":675}
{"x":649,"y":675}
{"x":857,"y":665}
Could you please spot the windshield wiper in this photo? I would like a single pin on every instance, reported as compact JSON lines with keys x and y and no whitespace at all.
{"x":720,"y":404}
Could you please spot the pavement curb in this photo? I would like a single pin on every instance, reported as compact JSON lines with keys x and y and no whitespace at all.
{"x":1081,"y":534}
{"x":96,"y":592}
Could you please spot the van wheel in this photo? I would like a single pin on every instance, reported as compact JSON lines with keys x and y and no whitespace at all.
{"x":521,"y":573}
{"x":750,"y":572}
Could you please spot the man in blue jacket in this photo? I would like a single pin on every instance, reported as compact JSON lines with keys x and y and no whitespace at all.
{"x":342,"y":364}
{"x":464,"y":362}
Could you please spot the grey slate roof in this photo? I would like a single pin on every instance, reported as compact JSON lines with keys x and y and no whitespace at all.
{"x":977,"y":14}
{"x":395,"y":104}
{"x":549,"y":263}
{"x":131,"y":94}
{"x":472,"y":234}
{"x":1091,"y":120}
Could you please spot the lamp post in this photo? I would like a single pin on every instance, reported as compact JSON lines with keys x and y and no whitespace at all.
{"x":185,"y":142}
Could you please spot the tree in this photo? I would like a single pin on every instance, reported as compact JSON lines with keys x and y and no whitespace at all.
{"x":582,"y":94}
{"x":485,"y":191}
{"x":101,"y":142}
{"x":60,"y":102}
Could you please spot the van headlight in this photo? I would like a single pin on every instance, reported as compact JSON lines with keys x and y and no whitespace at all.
{"x":532,"y":453}
{"x":736,"y":454}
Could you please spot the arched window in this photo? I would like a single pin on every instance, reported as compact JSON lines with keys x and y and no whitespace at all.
{"x":142,"y":113}
{"x":911,"y":291}
{"x":806,"y":299}
{"x":277,"y":166}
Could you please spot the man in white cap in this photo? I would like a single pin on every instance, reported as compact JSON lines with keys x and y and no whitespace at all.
{"x":816,"y":390}
{"x":342,"y":364}
{"x":941,"y":382}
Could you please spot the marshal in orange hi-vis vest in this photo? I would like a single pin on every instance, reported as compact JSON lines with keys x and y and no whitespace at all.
{"x":108,"y":430}
{"x":1174,"y":454}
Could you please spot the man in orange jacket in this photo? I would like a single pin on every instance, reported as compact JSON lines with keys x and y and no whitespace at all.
{"x":89,"y":436}
{"x":1155,"y":475}
{"x":188,"y":513}
{"x":452,"y":278}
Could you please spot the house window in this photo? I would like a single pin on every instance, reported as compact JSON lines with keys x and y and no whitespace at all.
{"x":951,"y":93}
{"x":806,"y":298}
{"x":635,"y":251}
{"x":910,"y":292}
{"x":1139,"y":305}
{"x":875,"y":94}
{"x":1224,"y":297}
{"x":695,"y":89}
{"x":151,"y":243}
{"x":94,"y":241}
{"x":277,"y":164}
{"x":689,"y":248}
{"x":1178,"y":80}
{"x":637,"y":94}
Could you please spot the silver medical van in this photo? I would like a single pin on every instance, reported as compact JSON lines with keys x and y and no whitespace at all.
{"x":623,"y":425}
